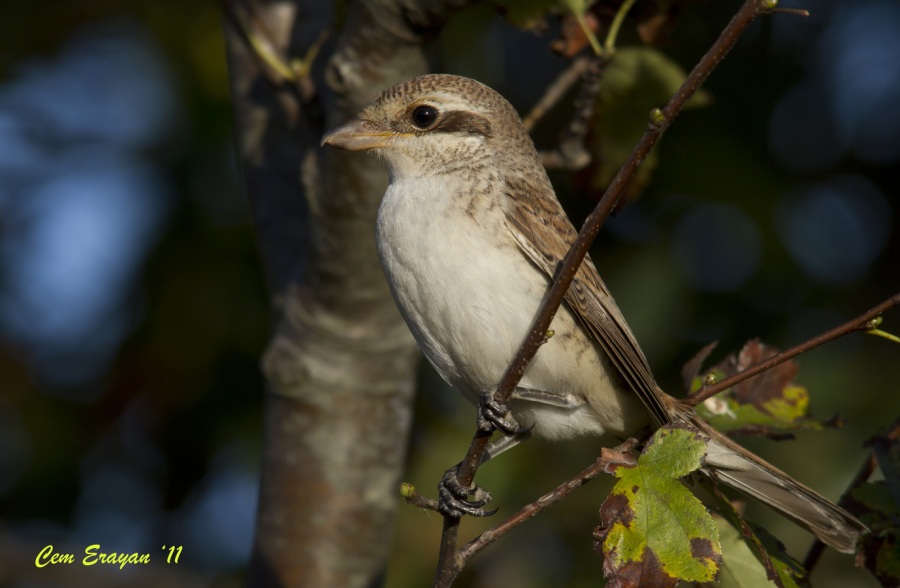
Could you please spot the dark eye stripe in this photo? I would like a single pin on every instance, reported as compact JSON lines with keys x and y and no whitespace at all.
{"x":457,"y":121}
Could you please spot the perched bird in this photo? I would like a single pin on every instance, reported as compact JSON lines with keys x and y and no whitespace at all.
{"x":469,"y":234}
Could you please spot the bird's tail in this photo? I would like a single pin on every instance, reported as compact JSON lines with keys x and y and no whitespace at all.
{"x":742,"y":470}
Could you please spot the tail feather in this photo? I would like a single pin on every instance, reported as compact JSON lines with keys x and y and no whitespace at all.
{"x":751,"y":475}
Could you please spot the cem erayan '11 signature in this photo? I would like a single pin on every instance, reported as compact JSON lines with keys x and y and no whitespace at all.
{"x":93,"y":555}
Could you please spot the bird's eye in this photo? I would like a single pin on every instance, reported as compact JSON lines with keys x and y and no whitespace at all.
{"x":424,"y":116}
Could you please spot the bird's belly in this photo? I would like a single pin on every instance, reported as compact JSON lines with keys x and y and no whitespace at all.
{"x":469,"y":308}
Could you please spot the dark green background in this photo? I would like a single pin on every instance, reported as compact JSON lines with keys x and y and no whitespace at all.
{"x":154,"y":439}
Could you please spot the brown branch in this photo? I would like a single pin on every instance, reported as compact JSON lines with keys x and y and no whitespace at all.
{"x":571,"y":154}
{"x":448,"y":566}
{"x":860,"y":323}
{"x":413,"y":498}
{"x":610,"y":458}
{"x":555,"y":91}
{"x":791,"y":11}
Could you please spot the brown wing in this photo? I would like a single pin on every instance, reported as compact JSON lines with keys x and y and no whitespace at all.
{"x":587,"y":297}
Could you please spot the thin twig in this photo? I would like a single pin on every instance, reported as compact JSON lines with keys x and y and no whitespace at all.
{"x":791,"y":11}
{"x":609,"y":459}
{"x":278,"y":69}
{"x":556,"y":90}
{"x":413,"y":498}
{"x":448,"y":567}
{"x":243,"y":19}
{"x":860,"y":323}
{"x":609,"y":46}
{"x":594,"y":222}
{"x":571,"y":154}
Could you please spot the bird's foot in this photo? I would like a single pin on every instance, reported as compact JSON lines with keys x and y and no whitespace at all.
{"x":495,"y":416}
{"x":454,"y":497}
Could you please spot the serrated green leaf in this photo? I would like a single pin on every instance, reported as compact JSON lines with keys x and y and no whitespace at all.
{"x":877,"y":505}
{"x":672,"y":452}
{"x":655,"y":527}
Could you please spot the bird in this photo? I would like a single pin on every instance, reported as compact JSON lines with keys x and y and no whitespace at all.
{"x":469,"y":234}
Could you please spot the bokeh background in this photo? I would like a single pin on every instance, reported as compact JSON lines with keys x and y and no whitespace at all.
{"x":133,"y":311}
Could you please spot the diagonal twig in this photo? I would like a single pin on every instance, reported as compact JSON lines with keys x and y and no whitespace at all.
{"x":860,"y":323}
{"x":450,"y":564}
{"x":609,"y":458}
{"x":556,"y":90}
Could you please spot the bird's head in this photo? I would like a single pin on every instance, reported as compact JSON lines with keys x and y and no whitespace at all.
{"x":435,"y":124}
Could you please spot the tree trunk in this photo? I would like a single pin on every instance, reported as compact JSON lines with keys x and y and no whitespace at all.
{"x":340,"y":364}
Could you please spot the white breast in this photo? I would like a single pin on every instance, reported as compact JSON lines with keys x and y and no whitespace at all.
{"x":469,"y":296}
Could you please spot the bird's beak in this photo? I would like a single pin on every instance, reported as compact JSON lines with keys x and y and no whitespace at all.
{"x":357,"y":135}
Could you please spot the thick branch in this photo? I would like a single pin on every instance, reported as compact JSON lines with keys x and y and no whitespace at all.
{"x":341,"y":363}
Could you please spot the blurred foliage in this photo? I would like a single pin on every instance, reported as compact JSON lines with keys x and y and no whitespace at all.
{"x":637,"y":80}
{"x":178,"y":410}
{"x":131,"y":457}
{"x":878,"y":505}
{"x":741,"y":567}
{"x":763,"y":405}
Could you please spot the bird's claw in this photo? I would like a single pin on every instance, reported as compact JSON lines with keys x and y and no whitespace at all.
{"x":454,"y":497}
{"x":495,"y":416}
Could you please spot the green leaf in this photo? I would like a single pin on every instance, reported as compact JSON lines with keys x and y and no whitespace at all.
{"x":875,"y":497}
{"x":877,"y":505}
{"x":887,"y":568}
{"x":725,"y":413}
{"x":654,"y":532}
{"x":527,"y":14}
{"x":741,"y":566}
{"x":637,"y":80}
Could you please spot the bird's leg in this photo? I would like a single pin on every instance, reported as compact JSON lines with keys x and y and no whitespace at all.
{"x":495,"y":416}
{"x":454,"y":497}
